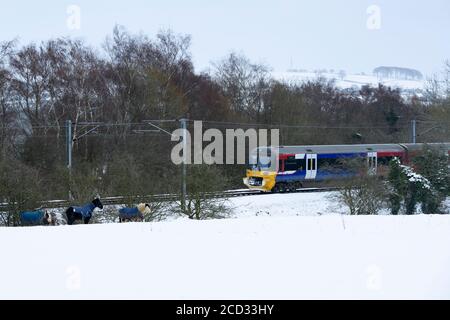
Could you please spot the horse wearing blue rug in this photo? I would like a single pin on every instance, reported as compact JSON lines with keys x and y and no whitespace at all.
{"x":36,"y":218}
{"x":83,"y":213}
{"x":134,"y":214}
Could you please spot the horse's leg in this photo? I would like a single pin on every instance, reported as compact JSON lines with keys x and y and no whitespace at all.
{"x":70,"y":218}
{"x":86,"y":220}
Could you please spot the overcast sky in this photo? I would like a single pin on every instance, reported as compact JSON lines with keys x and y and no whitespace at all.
{"x":344,"y":34}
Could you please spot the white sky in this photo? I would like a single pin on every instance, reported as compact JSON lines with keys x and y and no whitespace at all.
{"x":311,"y":34}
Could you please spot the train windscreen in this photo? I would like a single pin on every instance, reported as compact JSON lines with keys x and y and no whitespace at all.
{"x":262,"y":163}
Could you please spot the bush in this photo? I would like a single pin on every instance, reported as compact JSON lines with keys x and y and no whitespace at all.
{"x":202,"y":182}
{"x":427,"y":186}
{"x":19,"y":190}
{"x":362,"y":194}
{"x":432,"y":164}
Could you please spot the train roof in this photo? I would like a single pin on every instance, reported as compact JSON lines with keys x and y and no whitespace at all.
{"x":419,"y":146}
{"x":355,"y":148}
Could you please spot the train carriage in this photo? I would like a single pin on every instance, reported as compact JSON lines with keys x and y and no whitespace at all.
{"x":287,"y":168}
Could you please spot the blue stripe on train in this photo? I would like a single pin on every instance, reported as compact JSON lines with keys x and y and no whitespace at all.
{"x":322,"y":174}
{"x":296,"y":176}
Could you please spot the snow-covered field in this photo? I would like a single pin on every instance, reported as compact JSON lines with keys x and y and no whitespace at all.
{"x":281,"y":246}
{"x":288,"y":204}
{"x":349,"y":81}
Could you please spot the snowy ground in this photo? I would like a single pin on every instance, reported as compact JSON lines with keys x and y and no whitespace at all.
{"x":296,"y":251}
{"x":289,"y":204}
{"x":349,"y":81}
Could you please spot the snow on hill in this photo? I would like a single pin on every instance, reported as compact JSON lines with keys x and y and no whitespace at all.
{"x":273,"y":254}
{"x":350,"y":81}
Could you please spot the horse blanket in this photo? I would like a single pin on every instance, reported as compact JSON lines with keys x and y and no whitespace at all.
{"x":85,"y":211}
{"x":32,"y":217}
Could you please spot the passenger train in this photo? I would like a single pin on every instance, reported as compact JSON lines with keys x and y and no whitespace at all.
{"x":287,"y":168}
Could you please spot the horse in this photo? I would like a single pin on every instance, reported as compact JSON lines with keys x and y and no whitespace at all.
{"x":135,"y":214}
{"x":37,"y":218}
{"x":83,"y":213}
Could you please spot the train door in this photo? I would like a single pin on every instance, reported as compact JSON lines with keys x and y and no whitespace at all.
{"x":311,"y":166}
{"x":372,"y":163}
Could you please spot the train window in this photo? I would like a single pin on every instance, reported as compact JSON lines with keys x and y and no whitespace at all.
{"x":384,"y":161}
{"x":311,"y":164}
{"x":281,"y":165}
{"x":301,"y":163}
{"x":291,"y":164}
{"x":264,"y":162}
{"x":265,"y":153}
{"x":374,"y":162}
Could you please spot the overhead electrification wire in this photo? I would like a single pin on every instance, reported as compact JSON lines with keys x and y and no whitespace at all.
{"x":235,"y":124}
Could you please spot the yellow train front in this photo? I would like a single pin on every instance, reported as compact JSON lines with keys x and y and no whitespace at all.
{"x":260,"y":180}
{"x":262,"y":172}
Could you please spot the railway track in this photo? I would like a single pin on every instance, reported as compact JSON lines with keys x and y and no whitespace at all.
{"x":172,"y":197}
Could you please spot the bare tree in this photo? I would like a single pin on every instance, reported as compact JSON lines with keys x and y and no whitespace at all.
{"x":7,"y":113}
{"x":152,"y":78}
{"x":244,"y":83}
{"x":30,"y":81}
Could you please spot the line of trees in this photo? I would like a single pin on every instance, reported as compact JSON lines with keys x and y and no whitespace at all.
{"x":398,"y":73}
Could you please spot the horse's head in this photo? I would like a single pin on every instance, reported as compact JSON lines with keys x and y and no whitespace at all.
{"x":48,"y":219}
{"x":97,"y":203}
{"x":144,"y":208}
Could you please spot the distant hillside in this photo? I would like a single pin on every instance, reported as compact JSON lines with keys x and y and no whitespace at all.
{"x":351,"y":81}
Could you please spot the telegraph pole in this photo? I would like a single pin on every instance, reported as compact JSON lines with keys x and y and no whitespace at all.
{"x":69,"y":140}
{"x":413,"y":130}
{"x":183,"y":123}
